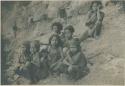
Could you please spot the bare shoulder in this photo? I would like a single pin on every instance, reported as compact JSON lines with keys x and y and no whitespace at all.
{"x":102,"y":13}
{"x":80,"y":55}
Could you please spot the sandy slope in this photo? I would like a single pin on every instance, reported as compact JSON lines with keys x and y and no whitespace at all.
{"x":106,"y":53}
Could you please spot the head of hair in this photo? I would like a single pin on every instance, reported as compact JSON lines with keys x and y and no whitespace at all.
{"x":76,"y":43}
{"x":26,"y":44}
{"x":70,"y":28}
{"x":58,"y":24}
{"x":36,"y":44}
{"x":58,"y":39}
{"x":98,"y":3}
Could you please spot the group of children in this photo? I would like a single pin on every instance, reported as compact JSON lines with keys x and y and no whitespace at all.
{"x":60,"y":56}
{"x":63,"y":52}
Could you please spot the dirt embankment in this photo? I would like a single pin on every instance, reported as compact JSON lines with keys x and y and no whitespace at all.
{"x":107,"y":53}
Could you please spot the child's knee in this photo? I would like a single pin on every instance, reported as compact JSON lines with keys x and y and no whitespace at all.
{"x":65,"y":49}
{"x":70,"y":69}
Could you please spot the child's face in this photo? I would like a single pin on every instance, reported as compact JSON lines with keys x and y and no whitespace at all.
{"x":54,"y":41}
{"x":23,"y":49}
{"x":73,"y":49}
{"x":94,"y":7}
{"x":33,"y":49}
{"x":68,"y":34}
{"x":55,"y":29}
{"x":44,"y":54}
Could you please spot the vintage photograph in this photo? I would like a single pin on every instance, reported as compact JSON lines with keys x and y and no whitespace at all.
{"x":73,"y":42}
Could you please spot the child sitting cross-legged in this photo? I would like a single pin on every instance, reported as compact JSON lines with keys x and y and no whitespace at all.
{"x":23,"y":61}
{"x":75,"y":61}
{"x":55,"y":54}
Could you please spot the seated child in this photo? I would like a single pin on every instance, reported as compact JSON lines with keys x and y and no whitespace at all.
{"x":75,"y":60}
{"x":44,"y":67}
{"x":55,"y":55}
{"x":68,"y":31}
{"x":23,"y":63}
{"x":57,"y":28}
{"x":35,"y":61}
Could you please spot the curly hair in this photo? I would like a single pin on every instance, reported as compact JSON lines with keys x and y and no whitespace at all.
{"x":58,"y":39}
{"x":58,"y":24}
{"x":98,"y":3}
{"x":70,"y":28}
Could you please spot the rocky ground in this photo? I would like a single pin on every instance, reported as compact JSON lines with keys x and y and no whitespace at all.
{"x":107,"y":54}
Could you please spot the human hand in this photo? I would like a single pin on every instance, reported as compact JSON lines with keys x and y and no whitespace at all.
{"x":70,"y":68}
{"x":27,"y":64}
{"x":52,"y":65}
{"x":21,"y":68}
{"x":41,"y":60}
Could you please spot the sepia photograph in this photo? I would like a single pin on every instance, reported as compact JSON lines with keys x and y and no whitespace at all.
{"x":63,"y":42}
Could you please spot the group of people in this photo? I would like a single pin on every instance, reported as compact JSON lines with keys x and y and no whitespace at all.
{"x":59,"y":56}
{"x":62,"y":54}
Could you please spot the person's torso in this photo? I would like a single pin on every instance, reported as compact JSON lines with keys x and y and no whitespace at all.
{"x":36,"y":59}
{"x":67,"y":42}
{"x":93,"y":18}
{"x":78,"y":59}
{"x":23,"y":59}
{"x":54,"y":54}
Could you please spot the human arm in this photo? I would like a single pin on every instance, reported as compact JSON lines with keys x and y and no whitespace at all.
{"x":98,"y":23}
{"x":100,"y":15}
{"x":88,"y":18}
{"x":68,"y":60}
{"x":84,"y":35}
